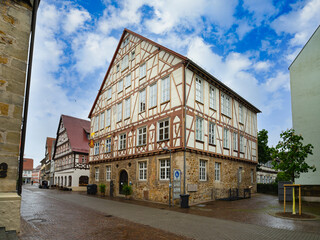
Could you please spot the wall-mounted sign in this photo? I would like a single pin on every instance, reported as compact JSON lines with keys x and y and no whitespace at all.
{"x":176,"y":183}
{"x":3,"y":170}
{"x":91,"y":143}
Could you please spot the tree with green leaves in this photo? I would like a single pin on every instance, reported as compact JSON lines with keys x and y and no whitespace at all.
{"x":289,"y":155}
{"x":264,"y":153}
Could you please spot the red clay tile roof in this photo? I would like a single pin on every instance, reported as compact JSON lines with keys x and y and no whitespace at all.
{"x":27,"y":164}
{"x":77,"y":130}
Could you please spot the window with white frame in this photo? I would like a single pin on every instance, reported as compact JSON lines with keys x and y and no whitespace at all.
{"x":143,"y":68}
{"x":240,"y":174}
{"x":108,"y":145}
{"x":102,"y":120}
{"x":153,"y":95}
{"x":122,"y":141}
{"x":203,"y":170}
{"x":212,"y":138}
{"x":128,"y":80}
{"x":225,"y":104}
{"x":133,"y":54}
{"x":199,"y":89}
{"x":96,"y":148}
{"x":212,"y":97}
{"x":142,"y":170}
{"x":199,"y":129}
{"x":127,"y":106}
{"x":108,"y":173}
{"x":96,"y":123}
{"x":163,"y":127}
{"x":120,"y":86}
{"x":109,"y":93}
{"x":165,"y":89}
{"x":217,"y":171}
{"x":108,"y":117}
{"x":96,"y":175}
{"x":119,"y":112}
{"x":241,"y":143}
{"x":142,"y":101}
{"x":142,"y":136}
{"x":226,"y":138}
{"x":235,"y":141}
{"x":164,"y":169}
{"x":125,"y":42}
{"x":125,"y":62}
{"x":240,"y":113}
{"x":118,"y":67}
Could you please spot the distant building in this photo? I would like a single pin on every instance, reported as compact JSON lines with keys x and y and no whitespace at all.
{"x":266,"y":174}
{"x":36,"y":174}
{"x":71,"y":153}
{"x":160,"y":118}
{"x":305,"y":99}
{"x":47,"y":173}
{"x":27,"y":170}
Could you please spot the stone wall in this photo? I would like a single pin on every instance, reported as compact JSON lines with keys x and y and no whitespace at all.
{"x":15,"y":24}
{"x":157,"y":190}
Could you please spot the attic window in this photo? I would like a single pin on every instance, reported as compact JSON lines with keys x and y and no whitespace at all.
{"x":133,"y":54}
{"x":118,"y":67}
{"x":125,"y":42}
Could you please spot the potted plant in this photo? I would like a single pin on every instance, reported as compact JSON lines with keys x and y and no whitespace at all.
{"x":127,"y":190}
{"x":102,"y":188}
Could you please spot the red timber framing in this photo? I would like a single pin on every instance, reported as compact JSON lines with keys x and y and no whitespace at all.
{"x":162,"y":62}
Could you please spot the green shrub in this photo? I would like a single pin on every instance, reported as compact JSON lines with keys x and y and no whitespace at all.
{"x":102,"y":188}
{"x":127,"y":189}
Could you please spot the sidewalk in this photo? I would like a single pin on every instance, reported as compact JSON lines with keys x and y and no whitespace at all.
{"x":189,"y":225}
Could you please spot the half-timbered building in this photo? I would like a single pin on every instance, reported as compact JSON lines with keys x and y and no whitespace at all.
{"x":71,"y":153}
{"x":158,"y":113}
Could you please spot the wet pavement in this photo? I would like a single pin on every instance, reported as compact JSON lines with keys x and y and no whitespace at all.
{"x":53,"y":214}
{"x":43,"y":216}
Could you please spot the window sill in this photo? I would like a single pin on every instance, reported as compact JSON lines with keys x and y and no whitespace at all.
{"x":225,"y":115}
{"x":235,"y":150}
{"x":226,"y":148}
{"x":211,"y":108}
{"x":126,"y":118}
{"x":127,"y":86}
{"x":120,"y":91}
{"x":142,"y":145}
{"x":163,"y":140}
{"x":140,"y":112}
{"x":241,"y":123}
{"x":122,"y":70}
{"x":152,"y":107}
{"x":199,"y":141}
{"x":142,"y":77}
{"x":165,"y":102}
{"x":199,"y":102}
{"x":212,"y":144}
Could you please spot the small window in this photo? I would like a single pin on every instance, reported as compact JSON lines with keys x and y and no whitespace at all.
{"x":133,"y":54}
{"x":225,"y":104}
{"x":108,"y":117}
{"x":163,"y":127}
{"x":120,"y":86}
{"x":125,"y":62}
{"x":164,"y":169}
{"x":96,"y":176}
{"x":96,"y":148}
{"x":122,"y":141}
{"x":96,"y":123}
{"x":241,"y":144}
{"x":101,"y":120}
{"x":199,"y":129}
{"x":240,"y":114}
{"x":119,"y":112}
{"x":128,"y":80}
{"x":142,"y":101}
{"x":225,"y":138}
{"x":109,"y":94}
{"x":212,"y":138}
{"x":108,"y":145}
{"x":127,"y":106}
{"x":212,"y":97}
{"x":142,"y":136}
{"x":203,"y":170}
{"x":143,"y":70}
{"x":199,"y":87}
{"x":125,"y":42}
{"x":142,"y":170}
{"x":108,"y":173}
{"x":235,"y":141}
{"x":153,"y":95}
{"x":118,"y":67}
{"x":217,"y":172}
{"x":165,"y":89}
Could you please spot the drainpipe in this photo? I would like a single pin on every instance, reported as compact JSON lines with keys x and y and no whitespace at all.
{"x":185,"y":129}
{"x":26,"y":99}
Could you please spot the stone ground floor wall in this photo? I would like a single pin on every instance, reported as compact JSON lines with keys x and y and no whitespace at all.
{"x":155,"y":189}
{"x":10,"y":211}
{"x":75,"y":175}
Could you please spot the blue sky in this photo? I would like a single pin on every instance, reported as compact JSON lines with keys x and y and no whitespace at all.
{"x":246,"y":44}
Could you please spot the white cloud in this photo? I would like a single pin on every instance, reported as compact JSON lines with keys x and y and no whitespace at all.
{"x":301,"y":22}
{"x":243,"y":28}
{"x":262,"y":10}
{"x":75,"y":20}
{"x":280,"y":81}
{"x":263,"y":66}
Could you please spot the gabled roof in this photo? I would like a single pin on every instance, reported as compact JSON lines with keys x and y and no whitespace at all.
{"x":27,"y":164}
{"x":187,"y":62}
{"x":304,"y":46}
{"x":76,"y":130}
{"x":50,"y":141}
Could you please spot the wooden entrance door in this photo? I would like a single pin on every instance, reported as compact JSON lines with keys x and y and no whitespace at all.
{"x":123,"y":180}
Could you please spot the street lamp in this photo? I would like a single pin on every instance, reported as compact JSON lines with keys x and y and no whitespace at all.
{"x":170,"y":185}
